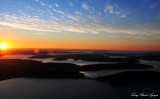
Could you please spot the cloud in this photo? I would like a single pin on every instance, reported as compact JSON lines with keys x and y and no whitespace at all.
{"x":152,"y":6}
{"x":77,"y":22}
{"x":85,"y":6}
{"x":26,"y":23}
{"x":93,"y":26}
{"x":50,"y":6}
{"x":158,"y":17}
{"x":58,"y":11}
{"x":109,"y":9}
{"x":57,"y":5}
{"x":42,"y":3}
{"x":39,"y":33}
{"x":123,"y":16}
{"x":114,"y":10}
{"x":66,"y":15}
{"x":71,"y":4}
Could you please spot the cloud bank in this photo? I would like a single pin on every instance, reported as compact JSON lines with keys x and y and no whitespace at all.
{"x":60,"y":21}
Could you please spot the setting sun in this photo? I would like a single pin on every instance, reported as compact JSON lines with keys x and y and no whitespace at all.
{"x":3,"y":46}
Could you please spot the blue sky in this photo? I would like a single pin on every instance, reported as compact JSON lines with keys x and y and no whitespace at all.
{"x":104,"y":18}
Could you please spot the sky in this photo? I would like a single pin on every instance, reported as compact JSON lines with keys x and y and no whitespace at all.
{"x":81,"y":24}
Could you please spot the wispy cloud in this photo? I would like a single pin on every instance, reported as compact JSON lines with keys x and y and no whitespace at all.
{"x":74,"y":18}
{"x":26,"y":23}
{"x":57,"y":5}
{"x":114,"y":10}
{"x":85,"y":6}
{"x":39,"y":33}
{"x":90,"y":9}
{"x":71,"y":4}
{"x":95,"y":26}
{"x":152,"y":6}
{"x":59,"y":21}
{"x":50,"y":6}
{"x":42,"y":3}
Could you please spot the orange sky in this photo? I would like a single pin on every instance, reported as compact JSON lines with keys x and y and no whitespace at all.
{"x":24,"y":41}
{"x":79,"y":24}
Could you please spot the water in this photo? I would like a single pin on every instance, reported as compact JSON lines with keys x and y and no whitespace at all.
{"x":22,"y":88}
{"x":152,"y":63}
{"x":95,"y":74}
{"x":17,"y":56}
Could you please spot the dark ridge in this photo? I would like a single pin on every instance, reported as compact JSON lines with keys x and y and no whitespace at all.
{"x":150,"y":56}
{"x":87,"y":57}
{"x":84,"y":57}
{"x":125,"y":65}
{"x":131,"y":77}
{"x":14,"y":68}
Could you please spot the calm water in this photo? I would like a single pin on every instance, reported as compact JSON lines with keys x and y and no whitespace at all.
{"x":95,"y":74}
{"x":70,"y":89}
{"x":152,"y":63}
{"x":17,"y":56}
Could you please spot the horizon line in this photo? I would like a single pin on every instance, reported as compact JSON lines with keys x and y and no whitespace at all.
{"x":88,"y":49}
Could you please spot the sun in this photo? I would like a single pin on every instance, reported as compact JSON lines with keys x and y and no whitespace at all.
{"x":3,"y":46}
